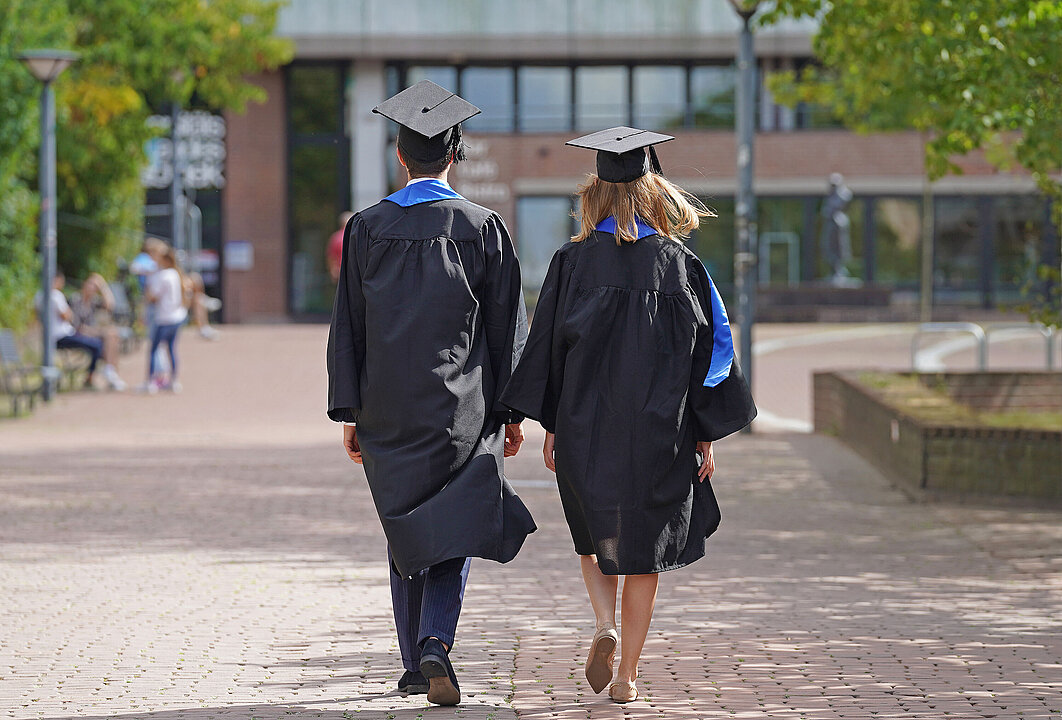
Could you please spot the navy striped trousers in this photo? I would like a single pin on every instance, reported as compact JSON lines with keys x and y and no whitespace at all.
{"x":427,"y":605}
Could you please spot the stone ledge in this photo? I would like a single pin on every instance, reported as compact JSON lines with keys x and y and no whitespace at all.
{"x":934,"y":460}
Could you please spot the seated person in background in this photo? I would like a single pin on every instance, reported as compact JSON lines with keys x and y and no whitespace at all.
{"x":201,"y":306}
{"x":66,"y":336}
{"x":93,"y":308}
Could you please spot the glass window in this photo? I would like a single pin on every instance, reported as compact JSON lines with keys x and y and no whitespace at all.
{"x":393,"y":80}
{"x":659,"y":96}
{"x":491,"y":90}
{"x":812,"y":116}
{"x":545,"y":98}
{"x":897,"y":241}
{"x":712,"y":94}
{"x":713,"y":242}
{"x":781,"y":224}
{"x":602,"y":98}
{"x":315,"y":98}
{"x":444,"y":75}
{"x":543,"y":224}
{"x":1018,"y":240}
{"x":957,"y":271}
{"x":314,"y":205}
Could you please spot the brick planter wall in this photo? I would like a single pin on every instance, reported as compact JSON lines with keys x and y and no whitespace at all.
{"x":1000,"y":390}
{"x":939,"y":460}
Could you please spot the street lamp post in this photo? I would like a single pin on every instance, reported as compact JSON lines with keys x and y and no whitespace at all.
{"x":46,"y":65}
{"x":176,"y":187}
{"x":177,"y":201}
{"x":745,"y":255}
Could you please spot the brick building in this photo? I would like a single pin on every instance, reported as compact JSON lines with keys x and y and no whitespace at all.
{"x":549,"y":70}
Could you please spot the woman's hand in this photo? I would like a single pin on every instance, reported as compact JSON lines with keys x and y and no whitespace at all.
{"x":350,"y":443}
{"x":514,"y":438}
{"x":707,"y":468}
{"x":547,"y":452}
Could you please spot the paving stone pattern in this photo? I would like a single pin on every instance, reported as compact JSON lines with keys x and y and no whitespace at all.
{"x":231,"y":567}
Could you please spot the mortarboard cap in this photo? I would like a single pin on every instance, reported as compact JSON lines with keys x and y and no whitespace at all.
{"x":620,"y":152}
{"x":430,"y":117}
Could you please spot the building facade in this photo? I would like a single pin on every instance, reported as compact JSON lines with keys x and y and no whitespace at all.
{"x":546,"y":71}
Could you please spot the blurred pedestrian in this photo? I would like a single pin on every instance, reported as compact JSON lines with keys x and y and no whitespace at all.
{"x":93,"y":309}
{"x":166,"y":293}
{"x":629,"y":367}
{"x":143,"y":267}
{"x":146,"y":262}
{"x":335,"y":246}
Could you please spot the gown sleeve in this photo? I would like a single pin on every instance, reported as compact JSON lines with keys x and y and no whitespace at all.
{"x":719,"y":397}
{"x":535,"y":388}
{"x":504,"y":314}
{"x":346,"y":335}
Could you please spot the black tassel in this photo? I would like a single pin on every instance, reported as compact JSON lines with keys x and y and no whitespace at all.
{"x":457,"y":148}
{"x":654,"y":161}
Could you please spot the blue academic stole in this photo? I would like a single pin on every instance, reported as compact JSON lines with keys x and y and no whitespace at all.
{"x":422,"y":192}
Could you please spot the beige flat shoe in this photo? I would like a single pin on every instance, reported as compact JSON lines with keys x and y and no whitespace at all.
{"x":623,"y":692}
{"x":599,"y":661}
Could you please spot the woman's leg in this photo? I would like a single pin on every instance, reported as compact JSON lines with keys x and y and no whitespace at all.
{"x":171,"y":343}
{"x":156,"y":340}
{"x":93,"y":346}
{"x":602,"y":591}
{"x":110,"y":345}
{"x":639,"y":599}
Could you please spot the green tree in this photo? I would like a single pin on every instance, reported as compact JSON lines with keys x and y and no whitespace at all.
{"x":22,"y":25}
{"x":137,"y":56}
{"x":972,"y":74}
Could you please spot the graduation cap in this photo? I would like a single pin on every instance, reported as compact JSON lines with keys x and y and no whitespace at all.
{"x":431,"y":118}
{"x":621,"y":152}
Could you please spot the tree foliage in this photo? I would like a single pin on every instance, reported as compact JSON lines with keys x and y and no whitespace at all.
{"x":137,"y":56}
{"x":972,"y":74}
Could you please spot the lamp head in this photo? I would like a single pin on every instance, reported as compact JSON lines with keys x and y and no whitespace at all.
{"x":46,"y":65}
{"x":745,"y":8}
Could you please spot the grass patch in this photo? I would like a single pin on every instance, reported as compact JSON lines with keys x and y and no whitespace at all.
{"x":908,"y":393}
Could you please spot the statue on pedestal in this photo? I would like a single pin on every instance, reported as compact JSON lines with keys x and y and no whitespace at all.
{"x":836,"y":239}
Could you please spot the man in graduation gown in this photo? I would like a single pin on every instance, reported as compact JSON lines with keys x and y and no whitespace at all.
{"x":427,"y":326}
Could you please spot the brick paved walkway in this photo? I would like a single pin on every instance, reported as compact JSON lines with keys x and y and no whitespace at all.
{"x":229,"y":566}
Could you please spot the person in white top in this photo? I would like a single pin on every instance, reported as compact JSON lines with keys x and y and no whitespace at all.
{"x":66,"y":337}
{"x":165,"y":290}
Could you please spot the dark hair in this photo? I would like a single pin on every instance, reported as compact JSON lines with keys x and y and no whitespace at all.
{"x":424,"y":169}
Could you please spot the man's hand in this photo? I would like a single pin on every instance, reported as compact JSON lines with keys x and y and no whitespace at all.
{"x":547,"y":452}
{"x":707,"y":468}
{"x":514,"y":438}
{"x":350,"y":443}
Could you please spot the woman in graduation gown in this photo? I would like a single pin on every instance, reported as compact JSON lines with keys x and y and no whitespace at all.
{"x":629,"y":367}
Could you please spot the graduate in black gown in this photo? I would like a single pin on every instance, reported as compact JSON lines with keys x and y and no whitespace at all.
{"x":629,"y":367}
{"x":427,"y":325}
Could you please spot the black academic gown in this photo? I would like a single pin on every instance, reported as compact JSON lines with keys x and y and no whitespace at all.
{"x":427,"y":325}
{"x":615,"y":365}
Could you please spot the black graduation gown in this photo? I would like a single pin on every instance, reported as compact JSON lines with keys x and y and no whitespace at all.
{"x":427,"y":325}
{"x":615,"y":366}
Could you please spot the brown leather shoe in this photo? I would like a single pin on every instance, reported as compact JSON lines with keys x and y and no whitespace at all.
{"x":599,"y":661}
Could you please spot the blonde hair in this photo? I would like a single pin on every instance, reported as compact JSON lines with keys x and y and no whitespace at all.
{"x":171,"y":260}
{"x":654,"y":199}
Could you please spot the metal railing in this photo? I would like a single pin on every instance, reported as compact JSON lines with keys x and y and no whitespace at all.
{"x":982,"y":335}
{"x":1014,"y":328}
{"x":946,"y":327}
